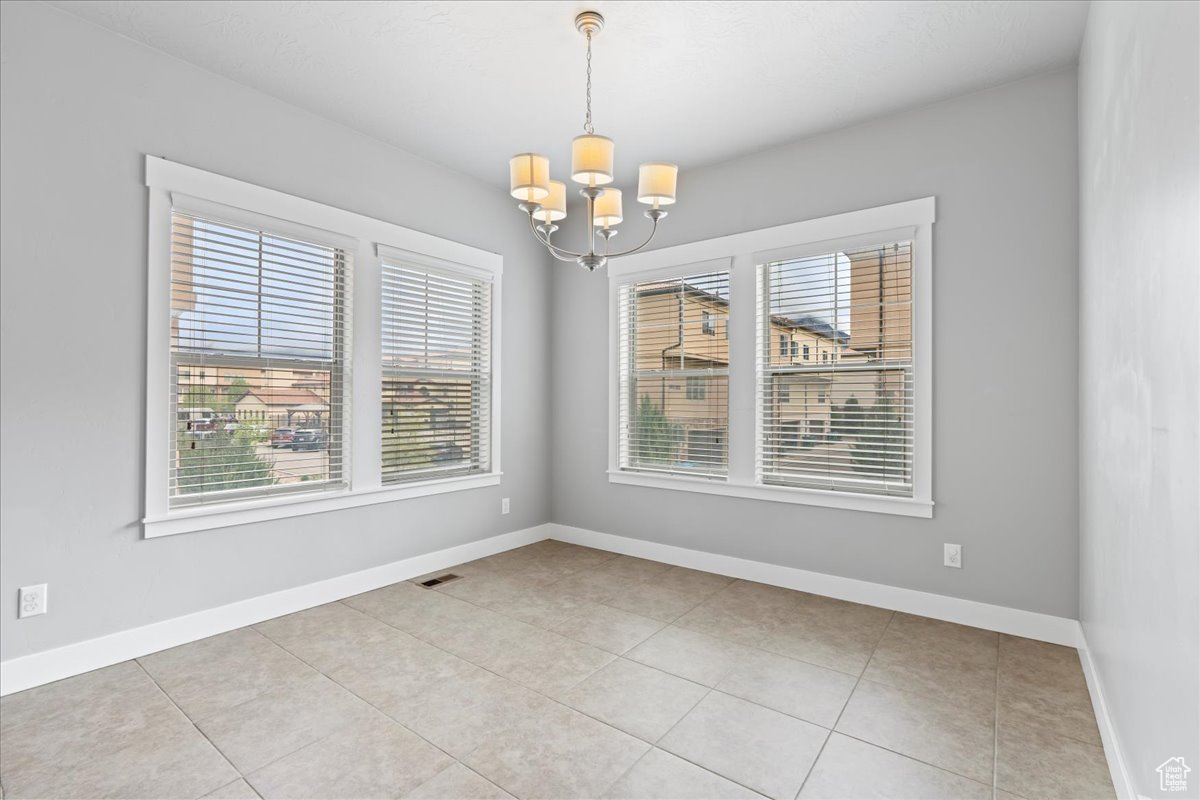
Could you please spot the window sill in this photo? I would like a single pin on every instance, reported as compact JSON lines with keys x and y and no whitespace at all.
{"x":262,"y":510}
{"x":902,"y":506}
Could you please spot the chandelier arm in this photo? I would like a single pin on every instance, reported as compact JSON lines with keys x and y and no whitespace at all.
{"x":554,"y":252}
{"x":554,"y":249}
{"x":653,"y":231}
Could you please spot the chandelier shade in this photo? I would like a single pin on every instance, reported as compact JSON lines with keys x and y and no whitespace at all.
{"x":553,"y":207}
{"x":656,"y":184}
{"x":592,"y":160}
{"x":529,"y":177}
{"x":592,"y":166}
{"x":608,"y":209}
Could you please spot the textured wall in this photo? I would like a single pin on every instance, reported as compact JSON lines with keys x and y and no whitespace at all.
{"x":1002,"y":164}
{"x":80,"y":108}
{"x":1139,"y":88}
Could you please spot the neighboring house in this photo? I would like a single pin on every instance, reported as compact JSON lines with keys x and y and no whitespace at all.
{"x":290,"y":406}
{"x":682,"y":356}
{"x":683,"y":360}
{"x":426,"y":422}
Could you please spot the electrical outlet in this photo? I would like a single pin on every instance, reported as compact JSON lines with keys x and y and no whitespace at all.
{"x":504,"y":505}
{"x":952,"y":555}
{"x":32,"y":601}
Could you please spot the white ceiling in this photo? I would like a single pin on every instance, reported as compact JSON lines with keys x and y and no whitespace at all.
{"x":467,"y":84}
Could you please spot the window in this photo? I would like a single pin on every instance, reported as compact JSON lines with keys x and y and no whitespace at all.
{"x":257,"y":307}
{"x":821,"y":393}
{"x":663,"y":339}
{"x":707,"y":326}
{"x":862,"y":422}
{"x":436,"y":373}
{"x":253,"y":410}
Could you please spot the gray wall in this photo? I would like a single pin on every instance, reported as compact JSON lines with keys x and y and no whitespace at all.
{"x":80,"y":108}
{"x":1002,"y":164}
{"x":1139,"y":84}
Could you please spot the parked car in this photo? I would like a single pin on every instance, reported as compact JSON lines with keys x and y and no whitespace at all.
{"x":308,"y":439}
{"x":282,"y":437}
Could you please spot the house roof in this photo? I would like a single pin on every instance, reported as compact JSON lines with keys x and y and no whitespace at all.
{"x":806,"y":322}
{"x":812,"y":325}
{"x":285,"y":397}
{"x":653,"y":288}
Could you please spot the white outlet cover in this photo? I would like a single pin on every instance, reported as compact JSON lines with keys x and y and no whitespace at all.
{"x":504,"y":505}
{"x":31,"y":601}
{"x":952,"y":555}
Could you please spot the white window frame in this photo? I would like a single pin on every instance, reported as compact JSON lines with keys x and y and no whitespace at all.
{"x":169,"y":184}
{"x":913,"y":220}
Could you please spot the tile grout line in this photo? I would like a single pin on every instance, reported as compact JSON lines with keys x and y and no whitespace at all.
{"x":485,"y":669}
{"x":195,"y":727}
{"x":710,"y":689}
{"x":351,"y":692}
{"x":651,"y":745}
{"x":849,"y":697}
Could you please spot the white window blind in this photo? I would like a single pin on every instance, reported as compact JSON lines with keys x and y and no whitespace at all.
{"x":836,"y":413}
{"x":258,"y":354}
{"x":674,"y":375}
{"x":437,"y":373}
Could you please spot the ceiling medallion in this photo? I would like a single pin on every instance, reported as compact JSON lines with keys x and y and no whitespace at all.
{"x":545,"y":200}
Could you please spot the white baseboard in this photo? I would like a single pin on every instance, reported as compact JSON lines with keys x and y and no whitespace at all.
{"x":1121,"y":778}
{"x":1029,"y":624}
{"x":36,"y":669}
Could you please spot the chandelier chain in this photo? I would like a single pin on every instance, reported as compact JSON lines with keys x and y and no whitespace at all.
{"x":587,"y":122}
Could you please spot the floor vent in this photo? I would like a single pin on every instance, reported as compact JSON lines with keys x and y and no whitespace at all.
{"x":438,"y":581}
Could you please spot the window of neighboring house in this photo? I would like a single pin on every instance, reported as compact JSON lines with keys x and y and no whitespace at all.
{"x":659,"y":342}
{"x":795,"y":348}
{"x":707,"y":326}
{"x":437,"y":393}
{"x":783,"y":346}
{"x":783,"y":392}
{"x":806,"y":352}
{"x":266,"y":304}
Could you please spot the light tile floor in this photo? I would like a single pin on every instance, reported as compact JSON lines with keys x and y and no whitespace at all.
{"x":557,"y":671}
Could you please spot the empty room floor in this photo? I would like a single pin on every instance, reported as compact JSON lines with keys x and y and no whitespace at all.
{"x":558,"y":671}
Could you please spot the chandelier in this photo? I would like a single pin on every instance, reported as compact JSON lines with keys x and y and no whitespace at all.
{"x":545,"y":200}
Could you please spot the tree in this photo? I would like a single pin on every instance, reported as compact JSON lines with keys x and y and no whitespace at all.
{"x":404,"y":446}
{"x":238,"y":388}
{"x":879,"y":445}
{"x":218,"y":460}
{"x":845,"y":419}
{"x":654,"y":437}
